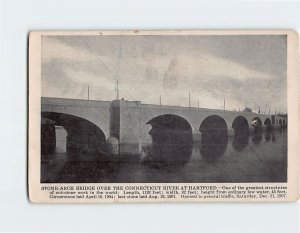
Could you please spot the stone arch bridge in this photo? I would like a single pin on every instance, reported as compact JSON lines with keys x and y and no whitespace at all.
{"x":130,"y":122}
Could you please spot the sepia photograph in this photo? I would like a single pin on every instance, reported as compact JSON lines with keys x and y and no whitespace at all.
{"x":120,"y":114}
{"x":169,"y":108}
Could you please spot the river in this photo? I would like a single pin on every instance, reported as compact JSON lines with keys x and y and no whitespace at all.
{"x":256,"y":159}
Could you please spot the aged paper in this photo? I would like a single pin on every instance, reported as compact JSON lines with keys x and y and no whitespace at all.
{"x":163,"y":116}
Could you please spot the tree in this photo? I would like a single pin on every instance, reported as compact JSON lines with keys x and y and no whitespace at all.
{"x":247,"y":109}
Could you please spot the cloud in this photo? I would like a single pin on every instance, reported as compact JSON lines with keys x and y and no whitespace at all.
{"x":55,"y":49}
{"x":145,"y":74}
{"x":206,"y":66}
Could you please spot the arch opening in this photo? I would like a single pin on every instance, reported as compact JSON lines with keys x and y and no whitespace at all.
{"x":268,"y":124}
{"x":214,"y":138}
{"x":171,"y":137}
{"x":257,"y":133}
{"x":241,"y":133}
{"x":83,"y":137}
{"x":269,"y":129}
{"x":48,"y":136}
{"x":61,"y":139}
{"x":256,"y":123}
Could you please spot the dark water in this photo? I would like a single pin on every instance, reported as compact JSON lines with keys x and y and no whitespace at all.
{"x":259,"y":157}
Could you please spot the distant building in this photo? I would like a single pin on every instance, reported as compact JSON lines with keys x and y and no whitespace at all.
{"x":279,"y":119}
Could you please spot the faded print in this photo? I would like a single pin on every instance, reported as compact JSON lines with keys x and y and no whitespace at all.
{"x":164,"y":109}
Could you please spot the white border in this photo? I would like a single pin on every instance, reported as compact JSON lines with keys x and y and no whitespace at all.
{"x":19,"y":17}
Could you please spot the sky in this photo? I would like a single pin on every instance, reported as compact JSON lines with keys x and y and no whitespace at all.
{"x":244,"y":70}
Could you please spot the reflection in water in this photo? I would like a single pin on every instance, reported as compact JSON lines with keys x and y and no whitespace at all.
{"x":269,"y":132}
{"x":257,"y":135}
{"x":264,"y":163}
{"x":213,"y":145}
{"x":241,"y":133}
{"x":241,"y":140}
{"x":268,"y":135}
{"x":273,"y":136}
{"x":171,"y":141}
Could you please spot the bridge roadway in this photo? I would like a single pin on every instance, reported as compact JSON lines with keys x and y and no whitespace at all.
{"x":131,"y":121}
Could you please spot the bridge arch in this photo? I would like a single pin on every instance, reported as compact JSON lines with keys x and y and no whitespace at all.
{"x":213,"y":122}
{"x":241,"y":133}
{"x":268,"y":124}
{"x":256,"y":123}
{"x":172,"y":140}
{"x":240,"y":124}
{"x":214,"y":137}
{"x":257,"y":134}
{"x":83,"y":136}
